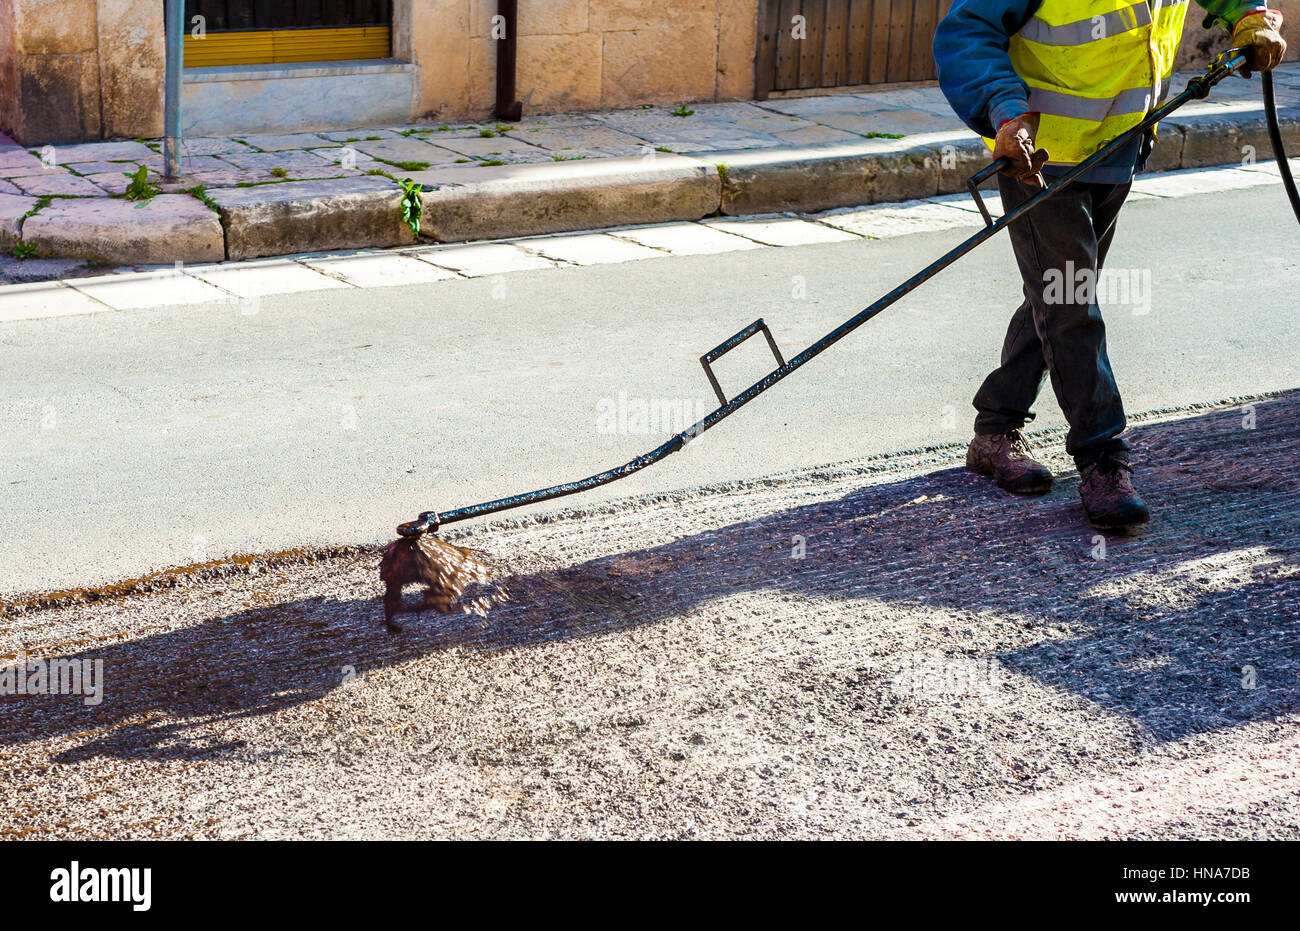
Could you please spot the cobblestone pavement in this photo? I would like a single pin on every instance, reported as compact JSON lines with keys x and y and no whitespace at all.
{"x":886,"y":648}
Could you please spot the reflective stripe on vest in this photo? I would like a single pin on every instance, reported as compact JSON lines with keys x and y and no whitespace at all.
{"x":1095,"y":69}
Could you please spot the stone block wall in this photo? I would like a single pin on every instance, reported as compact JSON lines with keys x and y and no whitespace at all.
{"x":585,"y":54}
{"x":80,"y":69}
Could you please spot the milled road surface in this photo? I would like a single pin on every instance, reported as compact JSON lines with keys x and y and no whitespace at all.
{"x":892,"y":648}
{"x":139,"y":440}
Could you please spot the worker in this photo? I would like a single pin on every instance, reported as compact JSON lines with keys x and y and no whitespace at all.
{"x":1047,"y":83}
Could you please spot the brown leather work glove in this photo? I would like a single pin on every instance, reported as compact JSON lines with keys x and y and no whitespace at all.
{"x":1015,"y":142}
{"x":1260,"y":32}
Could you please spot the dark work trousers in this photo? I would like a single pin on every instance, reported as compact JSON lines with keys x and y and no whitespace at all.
{"x":1054,"y":332}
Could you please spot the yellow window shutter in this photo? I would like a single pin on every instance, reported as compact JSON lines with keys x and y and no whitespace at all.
{"x":268,"y":46}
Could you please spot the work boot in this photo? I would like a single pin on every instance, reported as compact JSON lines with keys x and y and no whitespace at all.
{"x":1108,"y":496}
{"x":1008,"y":459}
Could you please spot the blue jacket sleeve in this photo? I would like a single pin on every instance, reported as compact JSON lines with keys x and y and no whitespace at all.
{"x":975,"y":73}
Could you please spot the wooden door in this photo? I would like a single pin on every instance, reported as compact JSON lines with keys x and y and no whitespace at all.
{"x":834,"y":43}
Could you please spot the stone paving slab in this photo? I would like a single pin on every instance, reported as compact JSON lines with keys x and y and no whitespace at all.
{"x":814,"y":135}
{"x":781,"y":231}
{"x":349,"y":136}
{"x":211,"y":145}
{"x":590,"y":249}
{"x":16,"y":162}
{"x":278,"y":142}
{"x":259,"y":278}
{"x":484,"y":259}
{"x":503,"y":148}
{"x":379,"y":270}
{"x":42,"y":299}
{"x":406,"y":149}
{"x":164,"y":289}
{"x":1174,"y":185}
{"x":101,"y":151}
{"x":189,"y":165}
{"x":95,"y":168}
{"x":563,"y":140}
{"x":880,"y":222}
{"x":291,"y":161}
{"x":56,"y":184}
{"x":13,"y":207}
{"x":228,"y":177}
{"x":168,"y":228}
{"x":115,"y":183}
{"x":688,"y":239}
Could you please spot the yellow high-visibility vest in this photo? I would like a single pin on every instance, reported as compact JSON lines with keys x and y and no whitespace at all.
{"x":1095,"y":69}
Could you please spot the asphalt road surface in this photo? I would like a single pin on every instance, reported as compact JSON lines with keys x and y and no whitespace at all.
{"x":153,"y":438}
{"x":790,"y":629}
{"x":895,"y":650}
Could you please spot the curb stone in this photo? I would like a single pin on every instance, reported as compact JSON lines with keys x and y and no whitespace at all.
{"x":816,"y":178}
{"x":1215,"y":140}
{"x":525,"y":200}
{"x":310,"y":216}
{"x":169,"y":228}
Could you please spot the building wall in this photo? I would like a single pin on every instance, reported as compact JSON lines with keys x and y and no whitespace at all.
{"x":80,"y":69}
{"x":84,"y":69}
{"x":583,"y":54}
{"x":8,"y":67}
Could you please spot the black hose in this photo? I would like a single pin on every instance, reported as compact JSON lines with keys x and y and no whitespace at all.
{"x":1275,"y":137}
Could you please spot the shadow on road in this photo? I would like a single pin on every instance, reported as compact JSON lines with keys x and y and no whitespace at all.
{"x":1169,"y":629}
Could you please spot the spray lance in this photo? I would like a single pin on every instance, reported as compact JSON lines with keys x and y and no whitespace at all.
{"x":419,"y":558}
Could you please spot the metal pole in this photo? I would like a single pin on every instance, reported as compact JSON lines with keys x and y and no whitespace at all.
{"x":174,"y":27}
{"x":507,"y":107}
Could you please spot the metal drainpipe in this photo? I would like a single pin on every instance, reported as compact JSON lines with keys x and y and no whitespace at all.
{"x":508,"y":107}
{"x":174,"y":27}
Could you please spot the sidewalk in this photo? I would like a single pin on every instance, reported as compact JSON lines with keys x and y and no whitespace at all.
{"x":263,"y":195}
